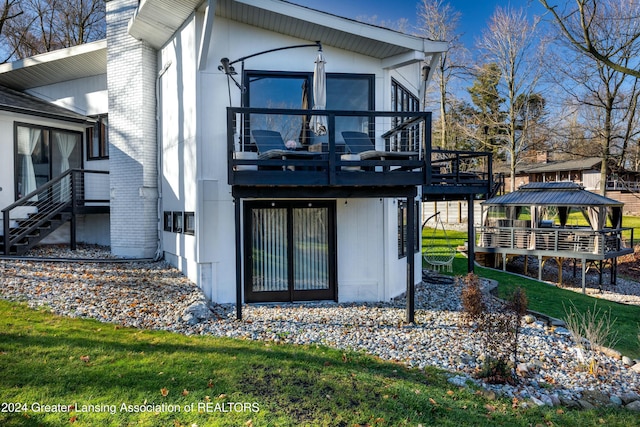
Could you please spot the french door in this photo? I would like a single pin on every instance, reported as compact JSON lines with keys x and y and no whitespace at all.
{"x":289,"y":251}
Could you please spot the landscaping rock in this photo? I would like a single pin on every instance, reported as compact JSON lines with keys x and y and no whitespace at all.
{"x":626,"y":360}
{"x":529,"y":319}
{"x":197,"y":312}
{"x":458,"y":380}
{"x":615,"y":400}
{"x":595,"y":397}
{"x":537,"y":401}
{"x":636,"y":368}
{"x":585,"y":405}
{"x":569,"y":403}
{"x":633,"y":406}
{"x":629,"y":397}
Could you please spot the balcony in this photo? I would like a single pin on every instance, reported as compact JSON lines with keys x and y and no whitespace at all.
{"x":394,"y":163}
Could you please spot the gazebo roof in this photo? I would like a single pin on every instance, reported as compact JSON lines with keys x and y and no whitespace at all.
{"x":552,"y":194}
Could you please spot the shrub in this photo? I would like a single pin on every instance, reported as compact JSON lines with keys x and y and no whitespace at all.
{"x":472,"y":299}
{"x":499,"y":330}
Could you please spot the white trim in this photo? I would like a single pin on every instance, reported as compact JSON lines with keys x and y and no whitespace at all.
{"x":205,"y":39}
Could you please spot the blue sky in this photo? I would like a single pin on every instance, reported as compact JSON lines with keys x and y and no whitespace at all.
{"x":474,"y":13}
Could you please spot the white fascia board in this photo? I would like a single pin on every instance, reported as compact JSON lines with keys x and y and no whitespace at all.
{"x":338,"y":23}
{"x":53,"y":56}
{"x":207,"y":33}
{"x":403,"y":59}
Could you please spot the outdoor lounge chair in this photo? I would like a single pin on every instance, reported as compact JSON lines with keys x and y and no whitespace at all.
{"x":271,"y":146}
{"x":360,"y":143}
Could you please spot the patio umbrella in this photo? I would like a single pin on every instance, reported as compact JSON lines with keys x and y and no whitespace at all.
{"x":318,"y":123}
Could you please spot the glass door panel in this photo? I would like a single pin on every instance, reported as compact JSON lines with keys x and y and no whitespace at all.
{"x":310,"y":249}
{"x":270,"y":265}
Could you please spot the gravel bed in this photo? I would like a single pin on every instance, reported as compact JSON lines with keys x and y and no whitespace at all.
{"x":153,"y":295}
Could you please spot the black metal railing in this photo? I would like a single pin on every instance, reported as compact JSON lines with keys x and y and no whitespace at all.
{"x":328,"y":159}
{"x":70,"y":192}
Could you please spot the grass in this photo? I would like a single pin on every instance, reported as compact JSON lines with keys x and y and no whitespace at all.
{"x":552,"y":300}
{"x":73,"y":363}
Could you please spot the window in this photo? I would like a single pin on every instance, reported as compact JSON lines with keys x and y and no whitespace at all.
{"x":402,"y":228}
{"x":168,"y":221}
{"x":189,"y":223}
{"x":402,"y":100}
{"x":43,"y":153}
{"x":353,"y":92}
{"x":177,"y":222}
{"x":98,"y":139}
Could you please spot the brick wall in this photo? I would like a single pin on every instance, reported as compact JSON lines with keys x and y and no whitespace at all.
{"x":131,"y":71}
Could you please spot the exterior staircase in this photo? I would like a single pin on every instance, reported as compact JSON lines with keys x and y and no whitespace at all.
{"x":36,"y":215}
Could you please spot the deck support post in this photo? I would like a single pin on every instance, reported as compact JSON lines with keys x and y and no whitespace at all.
{"x":411,"y":258}
{"x":471,"y":242}
{"x":540,"y":266}
{"x":584,"y":275}
{"x":238,"y":238}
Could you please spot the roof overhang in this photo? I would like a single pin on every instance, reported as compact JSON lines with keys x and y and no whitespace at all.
{"x":552,"y":194}
{"x":14,"y":101}
{"x":155,"y":21}
{"x":85,"y":60}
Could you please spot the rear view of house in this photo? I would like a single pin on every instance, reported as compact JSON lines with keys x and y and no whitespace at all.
{"x":269,"y":151}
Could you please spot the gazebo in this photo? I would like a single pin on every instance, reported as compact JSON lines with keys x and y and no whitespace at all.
{"x":536,"y":220}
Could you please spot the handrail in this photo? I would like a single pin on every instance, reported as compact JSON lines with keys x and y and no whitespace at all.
{"x":55,"y":196}
{"x":577,"y":240}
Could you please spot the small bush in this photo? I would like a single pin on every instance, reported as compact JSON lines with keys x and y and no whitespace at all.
{"x":472,"y":299}
{"x":499,"y":330}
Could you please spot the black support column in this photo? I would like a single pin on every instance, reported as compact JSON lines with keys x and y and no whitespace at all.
{"x":238,"y":218}
{"x":471,"y":254}
{"x":411,"y":258}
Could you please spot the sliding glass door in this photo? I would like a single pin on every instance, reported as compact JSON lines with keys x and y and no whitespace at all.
{"x":289,"y":251}
{"x":42,"y":154}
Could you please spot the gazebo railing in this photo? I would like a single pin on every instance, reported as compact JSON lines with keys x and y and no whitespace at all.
{"x":557,"y":240}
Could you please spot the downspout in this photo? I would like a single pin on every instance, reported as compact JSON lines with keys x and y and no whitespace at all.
{"x":159,"y":250}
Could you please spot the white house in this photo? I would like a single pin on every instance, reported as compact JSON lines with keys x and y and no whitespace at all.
{"x":186,"y":86}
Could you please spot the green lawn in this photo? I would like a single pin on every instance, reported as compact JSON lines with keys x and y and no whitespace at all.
{"x":51,"y":365}
{"x":552,"y":300}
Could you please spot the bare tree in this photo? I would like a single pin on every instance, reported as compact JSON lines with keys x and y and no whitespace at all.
{"x":587,"y":24}
{"x":512,"y":44}
{"x":45,"y":25}
{"x":438,"y":21}
{"x":10,"y":11}
{"x":606,"y":95}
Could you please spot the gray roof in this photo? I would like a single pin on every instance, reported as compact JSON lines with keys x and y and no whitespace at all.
{"x":552,"y":194}
{"x":566,"y":165}
{"x":19,"y":102}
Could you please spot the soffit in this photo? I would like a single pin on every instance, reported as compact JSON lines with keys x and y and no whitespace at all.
{"x":156,"y":21}
{"x":86,"y":60}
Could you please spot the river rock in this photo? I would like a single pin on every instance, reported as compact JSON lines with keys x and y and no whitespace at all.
{"x":633,"y":406}
{"x":629,"y":397}
{"x":595,"y":397}
{"x":197,"y":312}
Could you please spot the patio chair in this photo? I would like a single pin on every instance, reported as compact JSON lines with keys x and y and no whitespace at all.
{"x":360,"y":143}
{"x":271,"y":145}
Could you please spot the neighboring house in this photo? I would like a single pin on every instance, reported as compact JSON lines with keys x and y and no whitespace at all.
{"x":584,"y":171}
{"x":191,"y":180}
